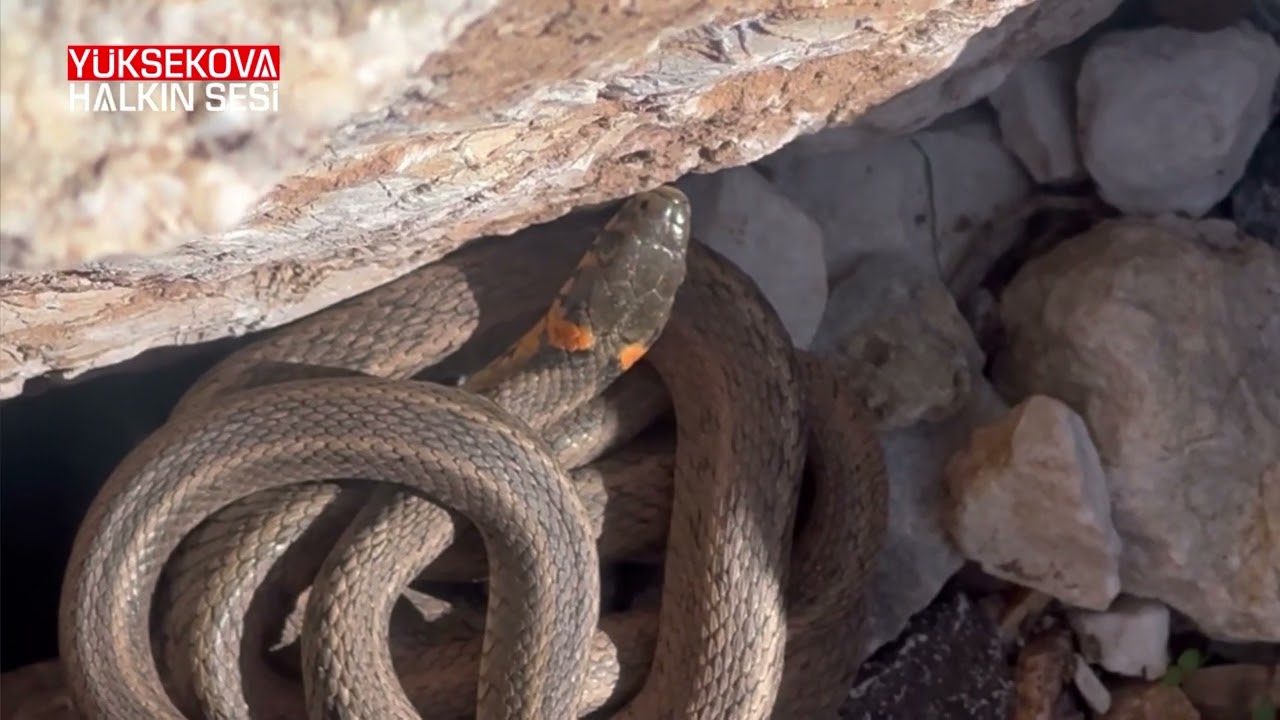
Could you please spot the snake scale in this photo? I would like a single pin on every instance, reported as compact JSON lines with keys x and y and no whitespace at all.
{"x":323,"y":463}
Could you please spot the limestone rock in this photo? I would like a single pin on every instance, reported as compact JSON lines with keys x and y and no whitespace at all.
{"x":1036,"y":110}
{"x":417,"y":129}
{"x":1169,"y":117}
{"x":1129,"y":638}
{"x":1029,"y":501}
{"x":742,"y":215}
{"x":935,"y":197}
{"x":1164,"y":335}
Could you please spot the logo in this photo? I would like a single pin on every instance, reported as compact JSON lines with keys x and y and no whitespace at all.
{"x":173,"y":78}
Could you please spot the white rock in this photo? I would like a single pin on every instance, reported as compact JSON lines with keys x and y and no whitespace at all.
{"x":932,"y":196}
{"x":1029,"y":502}
{"x":742,"y":215}
{"x":1095,"y":694}
{"x":1131,"y":638}
{"x":1169,"y":117}
{"x":1165,"y":335}
{"x":1035,"y":108}
{"x":871,"y":200}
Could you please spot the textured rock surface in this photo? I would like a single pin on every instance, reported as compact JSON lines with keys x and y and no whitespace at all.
{"x":1168,"y":117}
{"x":900,"y":340}
{"x":1164,"y":336}
{"x":502,"y":123}
{"x":1029,"y":501}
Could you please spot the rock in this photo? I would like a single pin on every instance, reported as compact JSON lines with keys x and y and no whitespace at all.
{"x":1130,"y":638}
{"x":948,"y":665}
{"x":1029,"y":502}
{"x":476,"y":118}
{"x":893,"y":331}
{"x":899,"y":339}
{"x":1150,"y":702}
{"x":1095,"y":694}
{"x":976,"y":188}
{"x":1168,"y":117}
{"x":742,"y":215}
{"x":874,"y":200}
{"x":1035,"y":108}
{"x":933,"y":197}
{"x":918,"y":558}
{"x":1226,"y":692}
{"x":1040,"y":674}
{"x":1255,"y":201}
{"x":972,"y":74}
{"x":1163,"y":334}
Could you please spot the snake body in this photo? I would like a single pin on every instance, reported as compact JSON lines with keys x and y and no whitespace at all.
{"x":741,"y":631}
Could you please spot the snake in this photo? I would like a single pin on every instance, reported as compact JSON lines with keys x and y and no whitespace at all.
{"x":327,"y":398}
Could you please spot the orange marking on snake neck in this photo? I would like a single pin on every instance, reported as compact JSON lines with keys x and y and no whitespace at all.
{"x":565,"y":334}
{"x":630,"y":355}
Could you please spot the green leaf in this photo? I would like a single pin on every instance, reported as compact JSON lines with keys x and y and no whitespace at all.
{"x":1188,"y":662}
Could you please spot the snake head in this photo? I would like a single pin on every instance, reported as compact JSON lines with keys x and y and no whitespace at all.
{"x":619,"y":297}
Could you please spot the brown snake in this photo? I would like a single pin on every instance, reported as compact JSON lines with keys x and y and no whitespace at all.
{"x":731,"y":608}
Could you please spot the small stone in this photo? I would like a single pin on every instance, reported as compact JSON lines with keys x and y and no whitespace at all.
{"x":1154,"y":701}
{"x":1095,"y":694}
{"x":1029,"y":502}
{"x":742,"y":215}
{"x":895,"y":333}
{"x":1165,"y":335}
{"x":1131,"y":638}
{"x":948,"y":665}
{"x":1036,"y":111}
{"x":1255,"y":201}
{"x":1169,"y":117}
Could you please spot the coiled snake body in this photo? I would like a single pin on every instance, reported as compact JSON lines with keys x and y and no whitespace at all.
{"x":750,"y":624}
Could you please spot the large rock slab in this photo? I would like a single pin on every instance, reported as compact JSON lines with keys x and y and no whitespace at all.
{"x":412,"y":128}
